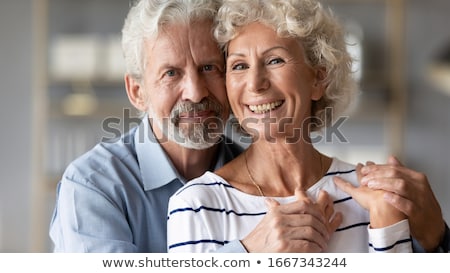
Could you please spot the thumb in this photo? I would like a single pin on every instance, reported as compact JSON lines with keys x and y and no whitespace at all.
{"x":301,"y":195}
{"x":271,"y":203}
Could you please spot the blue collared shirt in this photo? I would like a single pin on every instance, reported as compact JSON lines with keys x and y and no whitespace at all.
{"x":114,"y":198}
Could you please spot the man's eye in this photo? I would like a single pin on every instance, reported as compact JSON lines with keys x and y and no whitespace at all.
{"x":170,"y":73}
{"x":207,"y":67}
{"x":240,"y":66}
{"x":276,"y":61}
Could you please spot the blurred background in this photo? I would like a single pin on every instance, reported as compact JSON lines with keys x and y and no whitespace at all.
{"x":62,"y":91}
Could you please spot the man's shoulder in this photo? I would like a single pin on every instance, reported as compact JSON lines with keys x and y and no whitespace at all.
{"x":107,"y":157}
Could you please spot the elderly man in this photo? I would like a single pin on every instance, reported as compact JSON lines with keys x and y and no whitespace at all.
{"x":114,"y":198}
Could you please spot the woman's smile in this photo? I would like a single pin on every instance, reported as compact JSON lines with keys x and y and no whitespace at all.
{"x":265,"y":107}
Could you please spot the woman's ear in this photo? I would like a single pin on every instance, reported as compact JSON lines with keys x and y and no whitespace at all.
{"x":135,"y":93}
{"x":320,"y":84}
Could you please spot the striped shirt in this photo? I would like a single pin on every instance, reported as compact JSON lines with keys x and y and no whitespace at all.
{"x":208,"y":213}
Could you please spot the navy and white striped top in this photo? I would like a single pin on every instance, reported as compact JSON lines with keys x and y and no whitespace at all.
{"x":208,"y":212}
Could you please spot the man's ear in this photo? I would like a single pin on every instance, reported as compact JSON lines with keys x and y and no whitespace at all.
{"x":135,"y":93}
{"x":320,"y":85}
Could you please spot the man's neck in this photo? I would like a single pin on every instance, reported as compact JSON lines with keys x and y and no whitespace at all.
{"x":190,"y":163}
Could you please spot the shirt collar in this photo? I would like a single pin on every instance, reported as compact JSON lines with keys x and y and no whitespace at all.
{"x":156,"y":168}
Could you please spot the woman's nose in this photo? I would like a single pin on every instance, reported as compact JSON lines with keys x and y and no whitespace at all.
{"x":257,"y":80}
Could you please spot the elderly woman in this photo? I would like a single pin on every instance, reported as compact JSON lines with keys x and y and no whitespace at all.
{"x":286,"y":69}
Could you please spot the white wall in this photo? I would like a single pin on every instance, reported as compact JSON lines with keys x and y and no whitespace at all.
{"x":16,"y":121}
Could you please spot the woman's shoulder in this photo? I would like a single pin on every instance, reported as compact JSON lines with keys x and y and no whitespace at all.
{"x":343,"y":169}
{"x":340,"y":166}
{"x":206,"y":184}
{"x":208,"y":192}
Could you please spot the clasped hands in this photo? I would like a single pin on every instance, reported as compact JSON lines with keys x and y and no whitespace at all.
{"x":390,"y":192}
{"x":300,"y":226}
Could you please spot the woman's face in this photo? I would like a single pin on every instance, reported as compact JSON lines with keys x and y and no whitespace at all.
{"x":270,"y":85}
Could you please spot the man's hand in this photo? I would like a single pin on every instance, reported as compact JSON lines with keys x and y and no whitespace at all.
{"x":382,"y":214}
{"x":410,"y":192}
{"x":300,"y":226}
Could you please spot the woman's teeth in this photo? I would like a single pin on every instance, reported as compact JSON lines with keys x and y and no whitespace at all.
{"x":266,"y":107}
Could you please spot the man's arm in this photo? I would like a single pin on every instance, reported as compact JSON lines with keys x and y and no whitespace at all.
{"x":444,"y":245}
{"x":85,"y":220}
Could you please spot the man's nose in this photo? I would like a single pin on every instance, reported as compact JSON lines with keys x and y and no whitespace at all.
{"x":195,"y":89}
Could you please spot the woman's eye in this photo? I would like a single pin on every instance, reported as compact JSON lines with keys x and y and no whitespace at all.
{"x":240,"y":66}
{"x":276,"y":61}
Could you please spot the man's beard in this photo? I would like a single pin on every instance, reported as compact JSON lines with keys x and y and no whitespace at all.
{"x":193,"y":135}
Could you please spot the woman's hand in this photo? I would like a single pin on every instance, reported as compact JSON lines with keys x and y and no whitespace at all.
{"x":300,"y":226}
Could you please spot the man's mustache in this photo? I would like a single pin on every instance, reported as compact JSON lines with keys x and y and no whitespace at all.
{"x":206,"y":104}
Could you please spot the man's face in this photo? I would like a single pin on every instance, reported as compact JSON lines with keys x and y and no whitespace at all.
{"x":184,"y":85}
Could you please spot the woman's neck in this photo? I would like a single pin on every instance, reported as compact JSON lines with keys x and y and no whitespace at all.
{"x":277,"y":170}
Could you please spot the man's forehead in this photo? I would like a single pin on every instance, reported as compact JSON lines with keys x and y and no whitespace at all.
{"x":179,"y":39}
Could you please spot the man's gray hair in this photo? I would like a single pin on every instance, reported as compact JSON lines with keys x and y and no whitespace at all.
{"x":146,"y":18}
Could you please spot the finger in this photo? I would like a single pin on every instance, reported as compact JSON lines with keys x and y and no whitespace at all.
{"x":304,"y":208}
{"x":307,"y":228}
{"x":368,"y":167}
{"x":305,"y":246}
{"x":301,"y":195}
{"x":323,"y":199}
{"x":392,"y":163}
{"x":393,"y":185}
{"x":326,"y":204}
{"x":294,"y":226}
{"x":271,"y":203}
{"x":335,"y":222}
{"x":392,"y":160}
{"x":387,"y":172}
{"x":402,"y":204}
{"x":359,"y":174}
{"x":304,"y":205}
{"x":344,"y":185}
